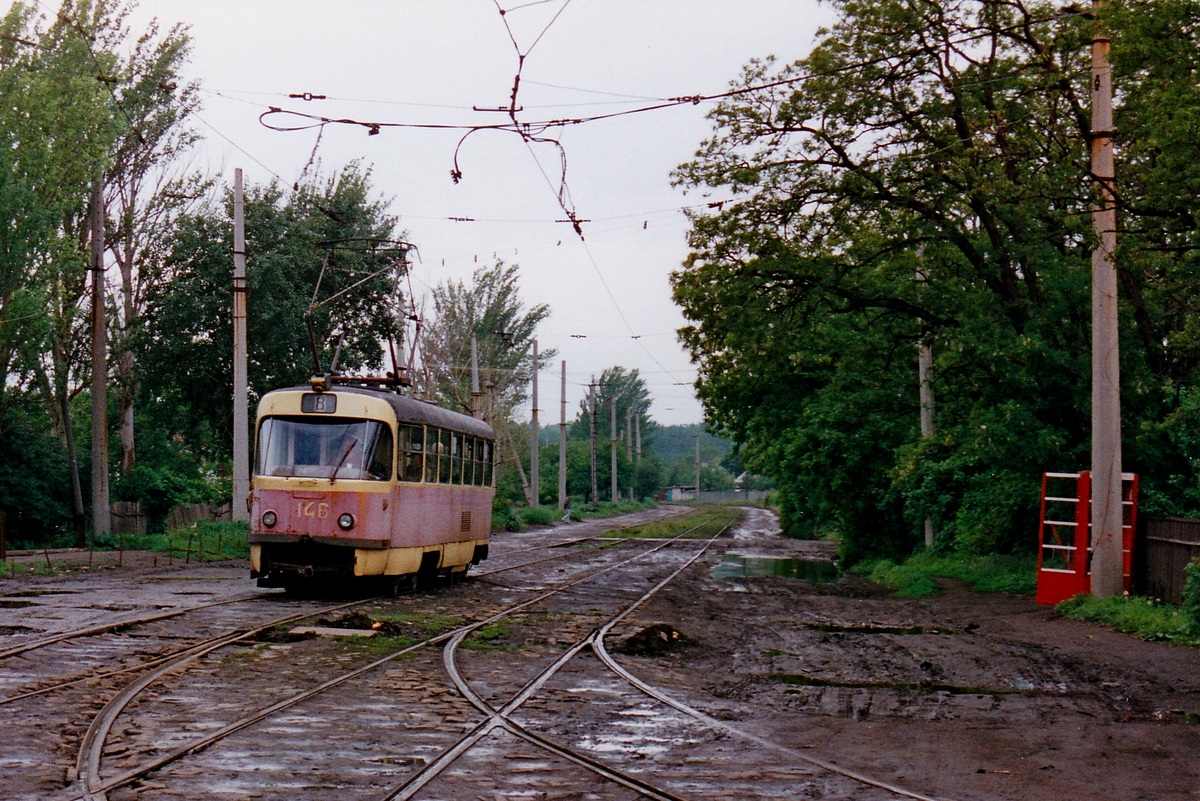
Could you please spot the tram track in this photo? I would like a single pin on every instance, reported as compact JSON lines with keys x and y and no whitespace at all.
{"x":93,"y":785}
{"x":497,"y":717}
{"x":502,"y":718}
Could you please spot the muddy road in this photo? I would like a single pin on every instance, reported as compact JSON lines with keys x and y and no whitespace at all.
{"x":575,"y":664}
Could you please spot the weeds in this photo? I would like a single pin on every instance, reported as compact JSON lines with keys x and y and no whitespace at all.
{"x":916,"y":576}
{"x":203,"y":541}
{"x":1145,"y":618}
{"x":493,"y":636}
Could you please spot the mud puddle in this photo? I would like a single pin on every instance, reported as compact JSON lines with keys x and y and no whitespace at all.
{"x":821,"y":571}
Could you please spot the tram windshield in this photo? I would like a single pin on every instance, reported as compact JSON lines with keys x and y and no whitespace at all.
{"x":329,"y":447}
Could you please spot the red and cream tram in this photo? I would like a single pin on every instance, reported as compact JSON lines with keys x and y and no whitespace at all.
{"x":352,"y":481}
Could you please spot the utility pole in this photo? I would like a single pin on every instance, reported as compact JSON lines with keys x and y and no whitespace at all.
{"x":612,"y":405}
{"x":637,"y":421}
{"x":241,"y":422}
{"x":1107,"y":513}
{"x":697,"y":465}
{"x":562,"y":442}
{"x":629,"y":435}
{"x":474,"y":376}
{"x":925,"y":379}
{"x":534,"y":465}
{"x":592,"y":435}
{"x":101,"y":511}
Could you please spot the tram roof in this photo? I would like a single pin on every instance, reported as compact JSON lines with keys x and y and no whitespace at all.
{"x":411,"y":410}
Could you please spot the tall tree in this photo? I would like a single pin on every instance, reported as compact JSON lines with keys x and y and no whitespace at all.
{"x":946,"y":141}
{"x":491,"y":308}
{"x":329,"y":244}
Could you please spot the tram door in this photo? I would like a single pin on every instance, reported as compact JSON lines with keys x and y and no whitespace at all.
{"x":1064,"y":547}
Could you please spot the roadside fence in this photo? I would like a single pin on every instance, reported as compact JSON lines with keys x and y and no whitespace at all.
{"x":1164,"y":547}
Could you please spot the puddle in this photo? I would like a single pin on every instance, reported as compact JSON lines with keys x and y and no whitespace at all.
{"x":838,"y":628}
{"x":799,"y":680}
{"x":38,"y":593}
{"x":738,"y":565}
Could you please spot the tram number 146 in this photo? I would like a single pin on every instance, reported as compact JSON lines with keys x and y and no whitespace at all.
{"x":313,"y":509}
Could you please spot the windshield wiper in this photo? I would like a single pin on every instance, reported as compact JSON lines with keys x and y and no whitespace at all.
{"x":338,"y":466}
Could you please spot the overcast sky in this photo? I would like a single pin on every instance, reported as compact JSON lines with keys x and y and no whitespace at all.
{"x":433,"y":61}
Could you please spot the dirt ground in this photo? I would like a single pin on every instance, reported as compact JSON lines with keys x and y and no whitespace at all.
{"x":963,"y":695}
{"x":957,"y":696}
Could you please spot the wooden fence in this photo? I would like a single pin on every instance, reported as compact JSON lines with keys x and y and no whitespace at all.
{"x":1163,"y":548}
{"x":128,"y":518}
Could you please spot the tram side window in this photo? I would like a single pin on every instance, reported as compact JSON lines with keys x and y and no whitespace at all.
{"x":380,"y":455}
{"x":469,"y":461}
{"x":478,"y":463}
{"x":444,"y":457}
{"x":412,"y":453}
{"x":456,"y":458}
{"x":487,"y":464}
{"x":431,"y":454}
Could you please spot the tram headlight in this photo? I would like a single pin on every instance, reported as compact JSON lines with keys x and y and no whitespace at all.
{"x":346,"y":521}
{"x":269,"y":519}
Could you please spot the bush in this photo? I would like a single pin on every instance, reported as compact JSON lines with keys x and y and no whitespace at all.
{"x":1142,"y":617}
{"x":1191,"y":599}
{"x":539,"y":515}
{"x":914,"y":577}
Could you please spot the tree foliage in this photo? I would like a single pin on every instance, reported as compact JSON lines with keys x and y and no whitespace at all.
{"x":303,"y":247}
{"x":491,"y":309}
{"x":923,"y":176}
{"x":83,"y":103}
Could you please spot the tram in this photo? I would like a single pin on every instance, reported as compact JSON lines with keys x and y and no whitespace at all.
{"x":353,"y":480}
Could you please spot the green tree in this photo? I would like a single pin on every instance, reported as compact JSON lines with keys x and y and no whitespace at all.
{"x":77,"y":105}
{"x":491,"y":309}
{"x":322,"y":235}
{"x":923,"y":175}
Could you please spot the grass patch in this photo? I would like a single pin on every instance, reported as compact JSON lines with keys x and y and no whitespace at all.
{"x":1145,"y":618}
{"x":492,"y":637}
{"x":916,"y":576}
{"x":381,"y":644}
{"x":701,"y":523}
{"x":424,"y":622}
{"x":203,"y":541}
{"x":539,"y":515}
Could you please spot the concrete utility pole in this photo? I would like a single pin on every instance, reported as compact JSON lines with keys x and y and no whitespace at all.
{"x":562,"y":442}
{"x":612,"y":405}
{"x":629,"y":434}
{"x":534,"y":462}
{"x":697,"y":465}
{"x":1107,"y":517}
{"x":925,"y":379}
{"x":241,"y":422}
{"x":101,"y":510}
{"x":475,"y":376}
{"x":637,"y":421}
{"x":592,"y":432}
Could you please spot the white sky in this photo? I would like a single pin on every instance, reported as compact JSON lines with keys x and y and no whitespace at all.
{"x":431,"y":61}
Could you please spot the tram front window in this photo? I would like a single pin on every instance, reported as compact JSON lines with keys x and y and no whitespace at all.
{"x":332,"y":448}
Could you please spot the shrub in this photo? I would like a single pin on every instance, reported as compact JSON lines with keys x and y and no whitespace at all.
{"x":1191,"y":598}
